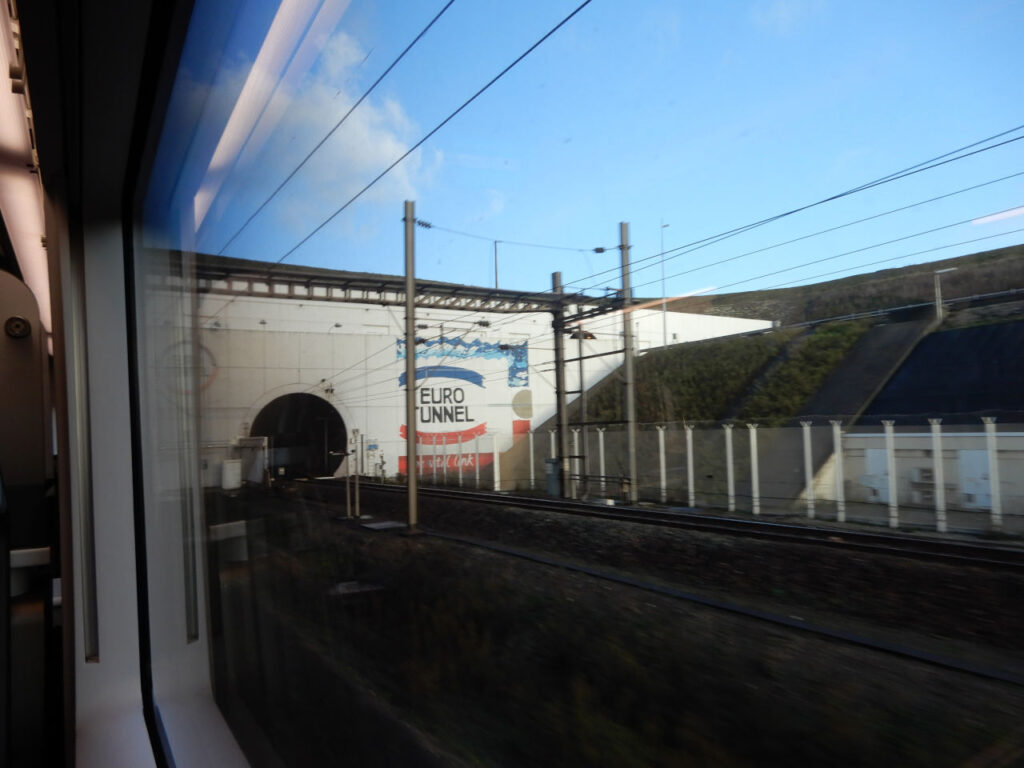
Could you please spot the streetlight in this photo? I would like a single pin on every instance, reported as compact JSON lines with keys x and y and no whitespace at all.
{"x":664,"y":307}
{"x":938,"y":290}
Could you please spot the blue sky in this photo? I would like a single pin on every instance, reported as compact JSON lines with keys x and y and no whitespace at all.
{"x":704,"y":115}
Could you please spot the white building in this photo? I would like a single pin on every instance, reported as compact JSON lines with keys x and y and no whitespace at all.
{"x":311,"y":367}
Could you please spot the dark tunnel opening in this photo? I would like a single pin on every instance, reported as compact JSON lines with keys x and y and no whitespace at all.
{"x":307,"y":436}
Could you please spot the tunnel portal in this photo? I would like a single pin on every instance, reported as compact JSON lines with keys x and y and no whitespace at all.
{"x":306,"y":435}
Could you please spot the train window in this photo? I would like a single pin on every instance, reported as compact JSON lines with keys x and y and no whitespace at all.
{"x":308,"y":148}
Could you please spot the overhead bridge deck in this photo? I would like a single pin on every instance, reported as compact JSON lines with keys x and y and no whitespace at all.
{"x":229,"y":276}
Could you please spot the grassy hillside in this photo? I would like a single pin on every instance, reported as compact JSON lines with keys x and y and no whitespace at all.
{"x":695,"y":382}
{"x":779,"y":395}
{"x":766,"y":378}
{"x":977,"y":273}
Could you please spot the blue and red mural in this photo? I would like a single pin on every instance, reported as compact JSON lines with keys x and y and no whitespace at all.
{"x":460,"y":393}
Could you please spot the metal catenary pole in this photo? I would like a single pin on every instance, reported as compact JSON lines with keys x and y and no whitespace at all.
{"x":628,"y":384}
{"x":558,"y":328}
{"x":581,"y":461}
{"x":410,"y":364}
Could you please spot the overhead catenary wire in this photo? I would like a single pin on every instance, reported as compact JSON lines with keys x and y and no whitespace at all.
{"x":848,"y":253}
{"x":830,"y":229}
{"x":432,"y":131}
{"x":895,"y":258}
{"x":438,"y":228}
{"x":926,"y":165}
{"x":451,"y":116}
{"x":334,"y":129}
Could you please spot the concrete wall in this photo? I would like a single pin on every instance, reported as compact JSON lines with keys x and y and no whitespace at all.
{"x":497,"y":368}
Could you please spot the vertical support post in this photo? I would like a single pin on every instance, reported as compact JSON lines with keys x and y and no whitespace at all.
{"x":993,"y":471}
{"x":575,"y":463}
{"x":689,"y":466}
{"x":444,"y":457}
{"x":581,"y":462}
{"x":348,"y":485}
{"x":554,"y":451}
{"x":411,"y":465}
{"x":476,"y":447}
{"x":730,"y":472}
{"x":628,"y":372}
{"x":661,"y":463}
{"x":359,"y":469}
{"x":600,"y":455}
{"x":558,"y":328}
{"x":890,"y":466}
{"x":496,"y":463}
{"x":460,"y":461}
{"x":532,"y":462}
{"x":938,"y":475}
{"x":755,"y":477}
{"x":837,"y":451}
{"x":808,"y":469}
{"x":433,"y":461}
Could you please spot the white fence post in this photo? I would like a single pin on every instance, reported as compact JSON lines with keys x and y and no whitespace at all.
{"x":837,"y":451}
{"x":496,"y":463}
{"x":808,"y":469}
{"x":460,"y":461}
{"x":938,"y":475}
{"x":600,"y":454}
{"x":689,"y":466}
{"x":554,"y":454}
{"x":433,"y":461}
{"x":532,"y":460}
{"x":476,"y":447}
{"x":890,"y":463}
{"x":661,"y":463}
{"x":444,"y":456}
{"x":576,"y":471}
{"x":755,"y":478}
{"x":993,"y":471}
{"x":730,"y":475}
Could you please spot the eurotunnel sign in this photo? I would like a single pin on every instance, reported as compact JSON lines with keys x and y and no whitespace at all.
{"x":463,"y":397}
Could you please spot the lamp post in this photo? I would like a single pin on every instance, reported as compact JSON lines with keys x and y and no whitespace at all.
{"x":938,"y":290}
{"x":496,"y":264}
{"x":664,"y":308}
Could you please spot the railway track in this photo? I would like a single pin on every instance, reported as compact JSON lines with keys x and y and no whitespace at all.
{"x":1012,"y":674}
{"x":917,"y":547}
{"x":788,"y":621}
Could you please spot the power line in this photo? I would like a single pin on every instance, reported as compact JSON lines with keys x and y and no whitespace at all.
{"x":422,"y":141}
{"x":835,"y":228}
{"x":925,"y":165}
{"x":428,"y":225}
{"x":434,"y":130}
{"x":337,"y":125}
{"x":895,"y":258}
{"x":848,"y":253}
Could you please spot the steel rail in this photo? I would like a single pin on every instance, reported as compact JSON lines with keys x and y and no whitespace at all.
{"x":684,"y":518}
{"x":790,"y":622}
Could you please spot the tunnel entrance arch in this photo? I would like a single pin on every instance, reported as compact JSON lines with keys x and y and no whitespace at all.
{"x":305,"y":434}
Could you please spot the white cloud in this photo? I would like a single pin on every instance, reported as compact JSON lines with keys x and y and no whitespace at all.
{"x":304,"y":107}
{"x":784,"y":16}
